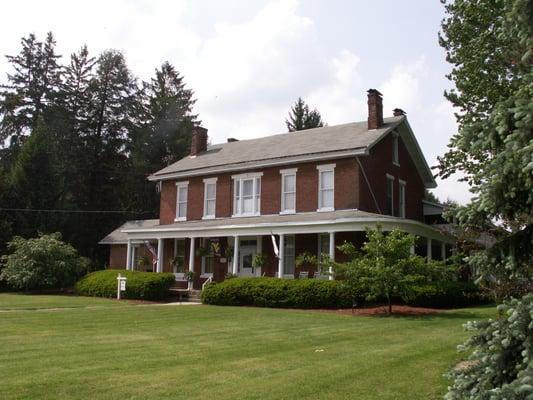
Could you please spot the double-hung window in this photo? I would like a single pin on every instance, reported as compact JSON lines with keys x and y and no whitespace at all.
{"x":247,"y":194}
{"x":326,"y":187}
{"x":389,"y":209}
{"x":288,"y":191}
{"x":395,"y":155}
{"x":289,"y":260}
{"x":401,"y":198}
{"x":210,"y":196}
{"x":182,"y":189}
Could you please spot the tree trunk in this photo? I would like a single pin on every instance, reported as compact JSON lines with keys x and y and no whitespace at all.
{"x":390,"y":304}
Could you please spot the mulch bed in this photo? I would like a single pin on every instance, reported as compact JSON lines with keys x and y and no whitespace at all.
{"x":384,"y":310}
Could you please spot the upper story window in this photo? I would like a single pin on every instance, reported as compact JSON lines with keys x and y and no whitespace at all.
{"x":288,"y":191}
{"x":210,"y":196}
{"x":247,"y":194}
{"x":326,"y":187}
{"x":395,"y":155}
{"x":401,"y":198}
{"x":389,"y":205}
{"x":182,"y":189}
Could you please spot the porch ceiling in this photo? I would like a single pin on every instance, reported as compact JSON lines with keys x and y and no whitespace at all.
{"x":312,"y":222}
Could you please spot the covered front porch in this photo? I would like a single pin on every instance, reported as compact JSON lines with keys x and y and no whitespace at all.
{"x":213,"y":251}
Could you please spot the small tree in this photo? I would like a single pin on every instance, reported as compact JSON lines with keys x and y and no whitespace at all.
{"x":41,"y":263}
{"x":385,"y":267}
{"x":301,"y":117}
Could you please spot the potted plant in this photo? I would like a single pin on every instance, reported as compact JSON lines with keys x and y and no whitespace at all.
{"x":189,"y":277}
{"x":227,"y":254}
{"x":143,"y":263}
{"x":306,"y":260}
{"x":202,"y":251}
{"x":258,"y":261}
{"x":176,"y":264}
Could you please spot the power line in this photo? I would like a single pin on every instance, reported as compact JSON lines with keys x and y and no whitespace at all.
{"x":76,"y":211}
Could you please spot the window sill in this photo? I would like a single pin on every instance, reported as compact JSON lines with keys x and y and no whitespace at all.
{"x":245,"y":215}
{"x":208,"y":217}
{"x":287,"y":212}
{"x":395,"y":163}
{"x":205,"y":275}
{"x":180,"y":219}
{"x":288,"y":276}
{"x":326,"y":209}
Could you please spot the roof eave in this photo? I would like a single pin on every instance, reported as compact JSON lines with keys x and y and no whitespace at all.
{"x":260,"y":164}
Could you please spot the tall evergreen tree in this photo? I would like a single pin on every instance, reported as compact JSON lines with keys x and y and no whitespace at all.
{"x":164,"y":135}
{"x":33,"y":185}
{"x":31,"y":89}
{"x":489,"y":43}
{"x":301,"y":117}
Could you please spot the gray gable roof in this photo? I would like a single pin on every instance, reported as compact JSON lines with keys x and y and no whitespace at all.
{"x":119,"y":237}
{"x":329,"y":142}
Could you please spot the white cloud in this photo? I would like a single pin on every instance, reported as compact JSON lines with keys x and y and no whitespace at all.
{"x":246,"y":72}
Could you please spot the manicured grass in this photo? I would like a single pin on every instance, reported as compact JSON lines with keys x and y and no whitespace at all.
{"x":202,"y":352}
{"x":14,"y":301}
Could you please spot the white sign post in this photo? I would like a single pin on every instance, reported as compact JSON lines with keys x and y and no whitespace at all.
{"x":121,"y":285}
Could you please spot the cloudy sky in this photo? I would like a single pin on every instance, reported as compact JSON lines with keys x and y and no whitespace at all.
{"x":248,"y":61}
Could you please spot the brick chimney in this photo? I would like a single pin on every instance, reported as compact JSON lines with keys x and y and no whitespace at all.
{"x":397,"y":112}
{"x":375,"y":109}
{"x":198,"y":140}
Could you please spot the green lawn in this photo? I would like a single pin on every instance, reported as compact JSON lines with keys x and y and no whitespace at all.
{"x":202,"y":352}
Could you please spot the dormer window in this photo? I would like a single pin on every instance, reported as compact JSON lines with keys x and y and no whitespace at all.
{"x":181,"y":200}
{"x":395,"y":155}
{"x":247,"y":194}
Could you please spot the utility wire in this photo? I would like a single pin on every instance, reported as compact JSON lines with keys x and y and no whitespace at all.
{"x":76,"y":211}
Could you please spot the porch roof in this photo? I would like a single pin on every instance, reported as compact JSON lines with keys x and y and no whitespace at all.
{"x":120,"y":237}
{"x":311,"y":222}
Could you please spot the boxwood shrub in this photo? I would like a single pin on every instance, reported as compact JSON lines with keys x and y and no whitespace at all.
{"x":448,"y":294}
{"x":140,"y":285}
{"x":281,"y":293}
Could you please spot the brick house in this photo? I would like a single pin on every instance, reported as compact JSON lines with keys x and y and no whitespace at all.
{"x":282,"y":195}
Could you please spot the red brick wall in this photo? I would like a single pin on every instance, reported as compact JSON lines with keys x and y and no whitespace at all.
{"x":379,"y":163}
{"x":346,"y":191}
{"x":118,"y":256}
{"x":167,"y":208}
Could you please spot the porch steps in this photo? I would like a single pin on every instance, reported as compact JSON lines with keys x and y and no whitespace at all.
{"x":186,"y":295}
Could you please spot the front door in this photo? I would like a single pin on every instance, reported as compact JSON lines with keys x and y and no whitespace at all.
{"x":247,"y":254}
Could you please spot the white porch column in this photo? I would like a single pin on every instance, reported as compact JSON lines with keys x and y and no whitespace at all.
{"x":160,"y":255}
{"x":191,"y":255}
{"x":443,"y":251}
{"x":331,"y":252}
{"x":235,"y":269}
{"x":428,"y":250}
{"x":281,"y":255}
{"x":132,"y":257}
{"x":128,"y":255}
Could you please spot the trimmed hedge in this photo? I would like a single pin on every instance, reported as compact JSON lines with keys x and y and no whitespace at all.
{"x":278,"y":293}
{"x":448,"y":294}
{"x":314,"y":293}
{"x":140,"y":285}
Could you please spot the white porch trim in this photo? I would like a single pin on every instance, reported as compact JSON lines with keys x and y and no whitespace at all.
{"x":290,"y":227}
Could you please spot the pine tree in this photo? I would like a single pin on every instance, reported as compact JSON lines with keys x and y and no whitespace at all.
{"x":489,"y":45}
{"x":33,"y":185}
{"x":32,"y":89}
{"x":301,"y":118}
{"x":165,"y":134}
